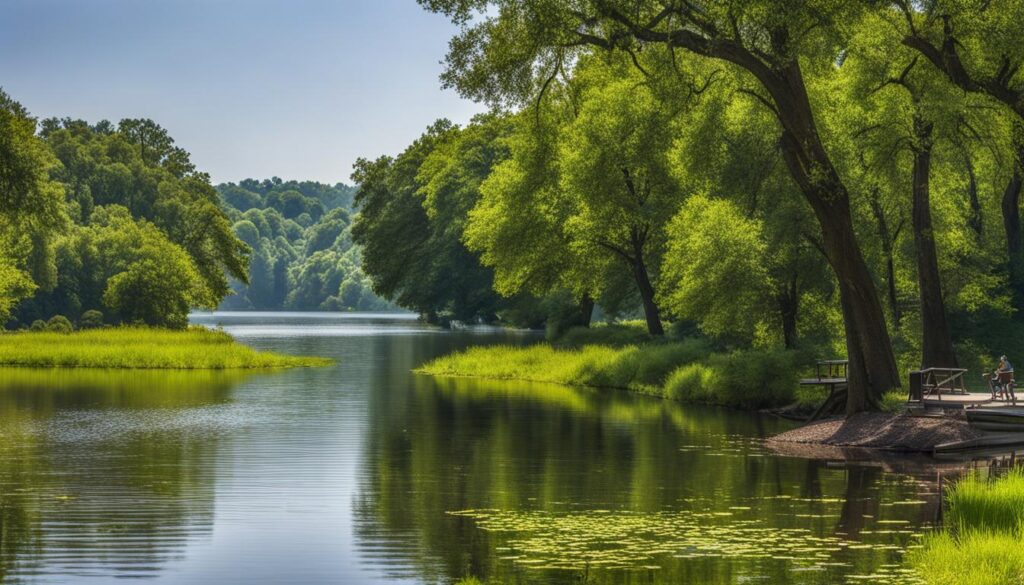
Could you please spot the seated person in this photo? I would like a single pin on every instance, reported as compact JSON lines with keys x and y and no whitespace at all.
{"x":1001,"y":380}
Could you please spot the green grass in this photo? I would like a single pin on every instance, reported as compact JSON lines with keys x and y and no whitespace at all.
{"x":977,"y":558}
{"x":139,"y":347}
{"x":977,"y":503}
{"x":981,"y":542}
{"x":686,"y":370}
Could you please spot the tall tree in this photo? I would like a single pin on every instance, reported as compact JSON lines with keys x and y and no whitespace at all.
{"x":976,"y":45}
{"x":31,"y":208}
{"x":506,"y":44}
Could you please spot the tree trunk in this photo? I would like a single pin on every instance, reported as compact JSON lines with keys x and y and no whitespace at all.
{"x":1011,"y":225}
{"x":789,"y":304}
{"x":872,"y":366}
{"x":937,"y":344}
{"x":586,"y":310}
{"x":643,"y":284}
{"x":888,"y":240}
{"x":974,"y":221}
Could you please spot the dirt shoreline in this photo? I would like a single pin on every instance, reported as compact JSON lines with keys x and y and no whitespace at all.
{"x":879,"y":430}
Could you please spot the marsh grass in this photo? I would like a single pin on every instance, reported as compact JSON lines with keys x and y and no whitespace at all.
{"x":977,"y":503}
{"x":196,"y":348}
{"x":976,"y":558}
{"x":981,"y":542}
{"x":686,"y":370}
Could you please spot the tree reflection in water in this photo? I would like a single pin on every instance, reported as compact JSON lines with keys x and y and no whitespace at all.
{"x":103,"y":472}
{"x":517,"y":453}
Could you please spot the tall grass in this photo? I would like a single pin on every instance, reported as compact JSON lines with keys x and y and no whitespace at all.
{"x":977,"y":503}
{"x":139,"y":347}
{"x":686,"y":370}
{"x":981,"y":542}
{"x":976,"y":558}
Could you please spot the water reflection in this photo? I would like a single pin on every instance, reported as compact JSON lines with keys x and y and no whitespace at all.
{"x":352,"y":474}
{"x":553,"y":484}
{"x":85,"y":493}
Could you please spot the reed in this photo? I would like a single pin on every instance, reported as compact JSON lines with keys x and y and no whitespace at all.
{"x":196,"y":348}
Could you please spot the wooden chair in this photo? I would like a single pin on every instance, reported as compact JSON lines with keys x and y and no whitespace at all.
{"x":1005,"y":379}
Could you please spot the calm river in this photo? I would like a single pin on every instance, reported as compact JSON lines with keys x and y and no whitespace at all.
{"x":366,"y":473}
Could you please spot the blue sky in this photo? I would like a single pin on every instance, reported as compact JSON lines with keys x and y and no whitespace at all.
{"x":252,"y":88}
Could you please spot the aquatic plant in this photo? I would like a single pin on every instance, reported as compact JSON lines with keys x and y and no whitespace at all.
{"x":610,"y":540}
{"x":139,"y":347}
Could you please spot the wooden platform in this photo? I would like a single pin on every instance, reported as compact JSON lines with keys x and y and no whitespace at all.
{"x":969,"y":399}
{"x":822,"y":381}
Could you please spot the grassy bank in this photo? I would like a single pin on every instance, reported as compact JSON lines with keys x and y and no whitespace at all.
{"x":686,"y":370}
{"x":138,"y":347}
{"x":980,"y":544}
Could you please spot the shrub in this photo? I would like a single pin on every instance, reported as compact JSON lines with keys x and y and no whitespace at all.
{"x":59,"y":324}
{"x":38,"y":325}
{"x":657,"y":362}
{"x":618,"y":335}
{"x":745,"y":379}
{"x":91,"y":319}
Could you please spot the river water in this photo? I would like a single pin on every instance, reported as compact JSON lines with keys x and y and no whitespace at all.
{"x":367,"y":473}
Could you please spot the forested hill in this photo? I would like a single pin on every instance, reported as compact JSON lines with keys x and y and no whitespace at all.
{"x":303,"y":257}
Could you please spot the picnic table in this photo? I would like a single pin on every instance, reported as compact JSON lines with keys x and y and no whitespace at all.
{"x":935,"y":381}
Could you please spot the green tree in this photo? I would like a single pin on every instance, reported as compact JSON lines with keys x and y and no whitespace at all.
{"x":412,"y":211}
{"x":507,"y":48}
{"x":31,"y":210}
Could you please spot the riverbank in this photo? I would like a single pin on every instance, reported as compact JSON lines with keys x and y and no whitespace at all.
{"x":980,"y":542}
{"x":686,"y":370}
{"x":195,"y":348}
{"x":880,"y":430}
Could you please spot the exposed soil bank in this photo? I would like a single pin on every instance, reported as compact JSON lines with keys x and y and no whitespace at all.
{"x":878,"y":430}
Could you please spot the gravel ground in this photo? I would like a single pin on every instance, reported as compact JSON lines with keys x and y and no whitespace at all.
{"x":878,"y":430}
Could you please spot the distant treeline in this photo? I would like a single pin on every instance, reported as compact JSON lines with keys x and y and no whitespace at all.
{"x":108,"y":223}
{"x":303,"y":257}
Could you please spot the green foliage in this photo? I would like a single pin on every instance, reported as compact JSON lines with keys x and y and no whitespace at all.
{"x":31,"y":211}
{"x":91,"y":319}
{"x":714,"y":253}
{"x":980,"y":545}
{"x":894,"y":401}
{"x":411,"y":216}
{"x":38,"y":325}
{"x":148,"y":239}
{"x":615,"y":335}
{"x":129,"y":268}
{"x":687,"y":370}
{"x":59,"y":324}
{"x":138,"y":347}
{"x":292,"y":266}
{"x":745,"y":379}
